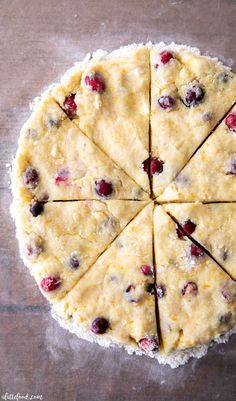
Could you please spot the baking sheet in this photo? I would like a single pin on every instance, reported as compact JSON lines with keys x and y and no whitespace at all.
{"x":39,"y":40}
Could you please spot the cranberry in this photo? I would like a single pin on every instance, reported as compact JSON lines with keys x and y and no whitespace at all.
{"x":166,"y":102}
{"x":74,"y":260}
{"x":130,"y":287}
{"x":50,"y":283}
{"x":225,"y":319}
{"x":36,"y":208}
{"x":34,"y":249}
{"x":62,"y":176}
{"x":188,"y":227}
{"x":194,"y":95}
{"x":149,"y":344}
{"x":165,"y":56}
{"x":70,"y":106}
{"x":31,"y":178}
{"x":190,"y":288}
{"x":160,"y":290}
{"x":99,"y":325}
{"x":103,"y":188}
{"x":227,"y":295}
{"x":95,"y":82}
{"x":230,"y":121}
{"x":196,"y":251}
{"x":146,"y":270}
{"x":151,"y":288}
{"x":146,"y":165}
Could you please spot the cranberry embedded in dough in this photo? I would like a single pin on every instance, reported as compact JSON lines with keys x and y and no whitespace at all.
{"x":194,"y":95}
{"x":70,"y":106}
{"x":230,"y":121}
{"x":190,"y":288}
{"x":30,"y":178}
{"x":99,"y":325}
{"x":62,"y":176}
{"x":146,"y":270}
{"x":103,"y":188}
{"x":149,"y":344}
{"x":36,"y":208}
{"x":166,"y":102}
{"x":50,"y":283}
{"x":188,"y":227}
{"x":165,"y":56}
{"x":156,"y":166}
{"x":196,"y":251}
{"x":95,"y":83}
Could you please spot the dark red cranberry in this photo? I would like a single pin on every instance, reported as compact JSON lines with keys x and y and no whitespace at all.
{"x":130,"y":287}
{"x":36,"y":208}
{"x":70,"y":106}
{"x":146,"y":270}
{"x":230,"y":121}
{"x":95,"y":82}
{"x":146,"y":165}
{"x":190,"y":288}
{"x":194,"y":95}
{"x":151,"y":288}
{"x":74,"y":260}
{"x":196,"y":251}
{"x":160,"y":290}
{"x":62,"y":176}
{"x":31,"y":178}
{"x":156,"y":166}
{"x":103,"y":188}
{"x":50,"y":283}
{"x":166,"y":102}
{"x":225,"y":319}
{"x":188,"y":227}
{"x":99,"y":325}
{"x":165,"y":56}
{"x":149,"y":344}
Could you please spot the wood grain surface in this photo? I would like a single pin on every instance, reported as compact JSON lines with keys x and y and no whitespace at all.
{"x":39,"y":40}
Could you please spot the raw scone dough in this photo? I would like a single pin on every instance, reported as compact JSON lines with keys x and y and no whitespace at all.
{"x":196,"y":298}
{"x":113,"y":109}
{"x":67,"y":237}
{"x":215,"y":229}
{"x":116,"y":288}
{"x":210,"y":174}
{"x":190,"y":93}
{"x":66,"y":164}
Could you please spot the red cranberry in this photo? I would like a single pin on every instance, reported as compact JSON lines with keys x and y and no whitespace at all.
{"x":50,"y":283}
{"x":74,"y":260}
{"x":190,"y":289}
{"x":147,"y":270}
{"x":194,"y":95}
{"x":99,"y":325}
{"x":103,"y":188}
{"x":166,"y":102}
{"x":165,"y":56}
{"x":149,"y":344}
{"x":36,"y":208}
{"x":146,"y":165}
{"x":196,"y":251}
{"x":188,"y":227}
{"x":130,"y":287}
{"x":70,"y":106}
{"x":156,"y":166}
{"x":31,"y":178}
{"x":230,"y":121}
{"x":95,"y":82}
{"x":160,"y":290}
{"x":227,"y":295}
{"x":62,"y":176}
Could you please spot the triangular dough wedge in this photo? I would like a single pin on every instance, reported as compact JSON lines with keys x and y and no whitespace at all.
{"x":210,"y":174}
{"x":108,"y":97}
{"x":190,"y":93}
{"x":56,"y":161}
{"x":117,"y":290}
{"x":213,"y":226}
{"x":66,"y":238}
{"x":196,"y":298}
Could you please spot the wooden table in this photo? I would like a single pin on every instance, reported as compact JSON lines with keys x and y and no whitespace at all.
{"x":39,"y":40}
